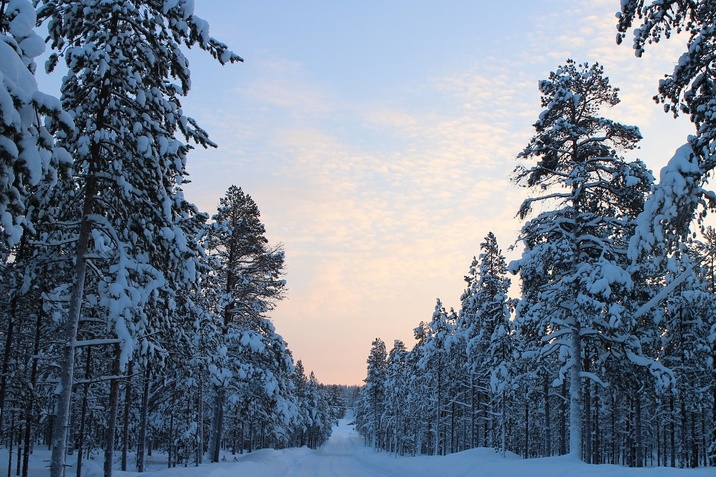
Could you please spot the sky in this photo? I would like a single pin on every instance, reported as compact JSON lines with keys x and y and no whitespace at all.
{"x":378,"y":139}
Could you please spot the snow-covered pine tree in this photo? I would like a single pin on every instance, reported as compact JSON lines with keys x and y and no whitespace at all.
{"x":374,"y":393}
{"x":30,"y":166}
{"x":434,"y":365}
{"x":29,"y":163}
{"x":396,"y":392}
{"x":126,"y":73}
{"x":684,"y":328}
{"x":688,"y":89}
{"x":574,"y":253}
{"x":300,"y":390}
{"x":485,"y":321}
{"x":247,"y":283}
{"x":464,"y":329}
{"x":706,"y":255}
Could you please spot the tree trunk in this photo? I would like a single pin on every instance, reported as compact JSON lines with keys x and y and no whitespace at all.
{"x":142,"y":444}
{"x":217,"y":426}
{"x":563,"y":420}
{"x":672,"y":433}
{"x":547,"y":419}
{"x":639,"y":440}
{"x":200,"y":424}
{"x":527,"y":426}
{"x":10,"y":444}
{"x":587,"y":417}
{"x":614,"y":459}
{"x":83,"y":415}
{"x":437,"y":415}
{"x":452,"y":427}
{"x":597,"y":452}
{"x":473,"y":412}
{"x":503,"y":417}
{"x":29,"y":409}
{"x":112,"y":417}
{"x":9,"y":336}
{"x":575,"y":395}
{"x":127,"y":411}
{"x":172,"y":453}
{"x":64,"y":400}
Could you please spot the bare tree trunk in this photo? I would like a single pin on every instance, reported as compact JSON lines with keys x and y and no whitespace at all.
{"x":437,"y":415}
{"x":563,"y":420}
{"x":112,"y":418}
{"x":9,"y":336}
{"x":142,"y":444}
{"x":217,"y":426}
{"x":452,"y":427}
{"x":473,"y":428}
{"x":127,"y":411}
{"x":575,"y":395}
{"x":527,"y":427}
{"x":587,"y":417}
{"x":172,"y":454}
{"x":83,"y":415}
{"x":200,"y":423}
{"x":672,"y":432}
{"x":503,"y":418}
{"x":10,"y":444}
{"x":547,"y":419}
{"x":639,"y":439}
{"x":597,"y":452}
{"x":64,"y":400}
{"x":29,"y":408}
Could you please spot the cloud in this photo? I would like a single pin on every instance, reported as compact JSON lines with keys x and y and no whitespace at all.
{"x":382,"y":196}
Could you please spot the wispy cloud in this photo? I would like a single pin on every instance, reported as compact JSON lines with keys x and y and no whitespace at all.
{"x":382,"y":198}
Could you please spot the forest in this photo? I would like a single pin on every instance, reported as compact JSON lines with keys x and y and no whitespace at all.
{"x":608,"y":353}
{"x":132,"y":322}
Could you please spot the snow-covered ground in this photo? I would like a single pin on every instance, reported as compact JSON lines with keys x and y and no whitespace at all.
{"x":345,"y":456}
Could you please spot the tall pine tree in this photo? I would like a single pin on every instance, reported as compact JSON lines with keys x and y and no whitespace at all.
{"x":574,"y":250}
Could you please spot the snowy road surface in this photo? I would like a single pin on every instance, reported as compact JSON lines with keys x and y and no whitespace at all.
{"x":339,"y":457}
{"x":344,"y":455}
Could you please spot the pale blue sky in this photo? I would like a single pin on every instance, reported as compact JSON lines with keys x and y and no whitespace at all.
{"x":377,"y":138}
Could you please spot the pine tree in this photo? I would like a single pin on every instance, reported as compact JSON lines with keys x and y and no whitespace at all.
{"x":29,"y":161}
{"x":30,"y":167}
{"x":247,"y":283}
{"x":434,"y":363}
{"x":688,"y":89}
{"x":374,"y":393}
{"x":126,"y":73}
{"x":396,"y":391}
{"x":574,"y":253}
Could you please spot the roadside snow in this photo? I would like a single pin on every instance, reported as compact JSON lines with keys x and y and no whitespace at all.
{"x":344,"y":455}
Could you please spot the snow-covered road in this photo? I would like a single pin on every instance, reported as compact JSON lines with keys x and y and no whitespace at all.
{"x":344,"y":455}
{"x":339,"y":457}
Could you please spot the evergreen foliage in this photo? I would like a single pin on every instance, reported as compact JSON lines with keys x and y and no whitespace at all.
{"x":595,"y":360}
{"x":123,"y":309}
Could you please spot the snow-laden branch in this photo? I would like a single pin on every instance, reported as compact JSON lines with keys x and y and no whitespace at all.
{"x":663,"y":293}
